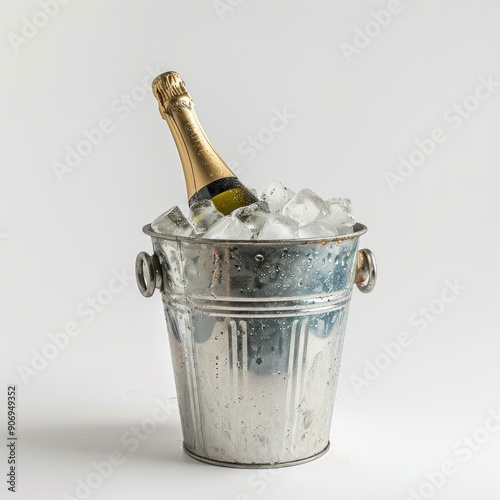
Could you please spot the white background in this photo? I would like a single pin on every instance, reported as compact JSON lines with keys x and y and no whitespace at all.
{"x":61,"y":239}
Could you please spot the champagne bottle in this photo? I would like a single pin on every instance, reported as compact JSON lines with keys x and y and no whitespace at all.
{"x":207,"y":176}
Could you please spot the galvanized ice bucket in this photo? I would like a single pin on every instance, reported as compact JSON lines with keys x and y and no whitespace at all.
{"x":256,"y":331}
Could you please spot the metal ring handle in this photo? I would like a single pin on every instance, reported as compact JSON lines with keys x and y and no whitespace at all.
{"x":147,"y":273}
{"x":366,"y":271}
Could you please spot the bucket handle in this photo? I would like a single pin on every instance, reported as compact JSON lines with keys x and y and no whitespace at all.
{"x":366,"y":271}
{"x":149,"y":277}
{"x":148,"y":273}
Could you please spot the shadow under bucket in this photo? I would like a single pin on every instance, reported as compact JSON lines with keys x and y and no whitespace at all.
{"x":256,"y":331}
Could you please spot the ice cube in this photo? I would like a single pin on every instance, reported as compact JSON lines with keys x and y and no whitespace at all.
{"x":229,"y":228}
{"x":343,"y":230}
{"x":254,"y":216}
{"x":278,"y":227}
{"x":204,"y":215}
{"x":317,"y":229}
{"x":341,"y":211}
{"x":341,"y":217}
{"x":172,"y":222}
{"x":306,"y":207}
{"x":276,"y":195}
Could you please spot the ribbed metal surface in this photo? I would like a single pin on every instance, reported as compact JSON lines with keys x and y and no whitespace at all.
{"x":256,"y":336}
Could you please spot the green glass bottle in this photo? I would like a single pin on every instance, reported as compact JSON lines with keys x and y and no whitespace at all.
{"x":206,"y":174}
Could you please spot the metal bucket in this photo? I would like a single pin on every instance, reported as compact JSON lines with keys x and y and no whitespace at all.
{"x":256,"y":331}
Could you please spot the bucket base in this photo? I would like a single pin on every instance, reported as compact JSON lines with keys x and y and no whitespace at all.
{"x":255,"y":466}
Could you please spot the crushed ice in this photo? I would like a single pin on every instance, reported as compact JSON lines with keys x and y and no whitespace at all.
{"x":280,"y":214}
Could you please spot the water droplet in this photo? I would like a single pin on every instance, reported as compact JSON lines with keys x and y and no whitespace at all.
{"x":299,"y":283}
{"x":259,"y":257}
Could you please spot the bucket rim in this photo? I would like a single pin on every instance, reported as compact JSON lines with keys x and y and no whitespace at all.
{"x":359,"y":230}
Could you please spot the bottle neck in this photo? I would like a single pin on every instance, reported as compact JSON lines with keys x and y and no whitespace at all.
{"x":201,"y":163}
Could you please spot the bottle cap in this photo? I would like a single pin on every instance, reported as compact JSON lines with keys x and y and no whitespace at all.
{"x":166,"y":87}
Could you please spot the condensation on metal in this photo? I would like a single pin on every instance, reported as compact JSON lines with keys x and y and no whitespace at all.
{"x":256,"y":332}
